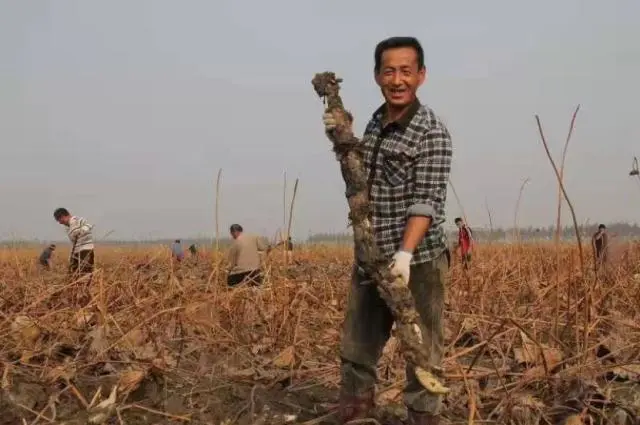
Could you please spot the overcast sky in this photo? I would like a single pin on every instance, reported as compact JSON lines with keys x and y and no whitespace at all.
{"x":123,"y":111}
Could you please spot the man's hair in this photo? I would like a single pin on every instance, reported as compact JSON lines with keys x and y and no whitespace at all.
{"x":602,"y":226}
{"x":60,"y":212}
{"x":397,"y":42}
{"x":457,"y":220}
{"x":177,"y":241}
{"x":235,"y":228}
{"x":52,"y":246}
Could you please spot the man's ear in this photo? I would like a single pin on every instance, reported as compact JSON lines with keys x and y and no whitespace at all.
{"x":422,"y":76}
{"x":376,"y":78}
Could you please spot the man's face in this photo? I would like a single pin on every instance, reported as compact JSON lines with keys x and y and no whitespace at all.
{"x":234,"y":234}
{"x":459,"y":224}
{"x":399,"y":76}
{"x":64,"y":220}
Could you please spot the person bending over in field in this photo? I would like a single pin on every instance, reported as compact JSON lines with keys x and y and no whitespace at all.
{"x":244,"y":257}
{"x":79,"y":231}
{"x":45,"y":257}
{"x":288,"y":248}
{"x":407,"y":154}
{"x":465,"y":242}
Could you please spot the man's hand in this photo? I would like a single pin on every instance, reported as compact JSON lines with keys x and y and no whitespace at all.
{"x":400,"y":265}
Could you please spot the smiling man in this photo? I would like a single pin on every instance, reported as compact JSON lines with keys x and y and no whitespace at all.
{"x":407,"y":151}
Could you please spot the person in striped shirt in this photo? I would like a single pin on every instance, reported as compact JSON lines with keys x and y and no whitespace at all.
{"x":79,"y":231}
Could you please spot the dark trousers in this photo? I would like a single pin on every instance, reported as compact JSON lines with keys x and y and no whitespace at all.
{"x":254,"y":278}
{"x":368,"y":324}
{"x":466,"y":260}
{"x":601,"y":258}
{"x":81,"y":263}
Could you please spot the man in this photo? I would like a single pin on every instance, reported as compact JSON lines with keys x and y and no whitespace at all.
{"x":45,"y":257}
{"x":79,"y":231}
{"x":176,"y":250}
{"x":465,"y":242}
{"x":244,"y":257}
{"x":407,"y":152}
{"x":288,"y":246}
{"x":600,"y":245}
{"x":193,"y":250}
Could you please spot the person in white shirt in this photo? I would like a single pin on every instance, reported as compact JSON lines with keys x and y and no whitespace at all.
{"x":79,"y":231}
{"x":244,"y":257}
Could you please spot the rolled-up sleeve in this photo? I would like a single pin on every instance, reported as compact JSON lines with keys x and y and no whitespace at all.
{"x":431,"y":173}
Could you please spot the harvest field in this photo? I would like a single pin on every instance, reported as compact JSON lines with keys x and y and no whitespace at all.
{"x":179,"y":347}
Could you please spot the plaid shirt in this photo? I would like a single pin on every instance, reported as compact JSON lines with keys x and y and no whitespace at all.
{"x":408,"y":163}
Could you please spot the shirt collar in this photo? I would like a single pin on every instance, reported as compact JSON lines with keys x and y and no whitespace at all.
{"x":402,"y":122}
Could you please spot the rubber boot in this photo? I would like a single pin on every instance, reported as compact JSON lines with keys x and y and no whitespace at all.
{"x":356,"y":407}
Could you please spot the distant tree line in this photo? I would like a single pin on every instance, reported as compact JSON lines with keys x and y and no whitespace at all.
{"x":481,"y":234}
{"x":500,"y":234}
{"x":621,"y":230}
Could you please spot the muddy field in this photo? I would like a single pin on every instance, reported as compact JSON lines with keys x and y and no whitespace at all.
{"x":151,"y":342}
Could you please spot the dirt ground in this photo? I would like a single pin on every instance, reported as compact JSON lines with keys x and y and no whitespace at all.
{"x":151,"y":342}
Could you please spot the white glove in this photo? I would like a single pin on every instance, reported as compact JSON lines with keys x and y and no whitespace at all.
{"x":329,"y":121}
{"x":401,"y":265}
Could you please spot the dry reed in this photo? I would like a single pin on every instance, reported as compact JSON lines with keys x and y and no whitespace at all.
{"x":171,"y":348}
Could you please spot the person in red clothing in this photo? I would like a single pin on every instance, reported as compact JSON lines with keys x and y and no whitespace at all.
{"x":465,"y":241}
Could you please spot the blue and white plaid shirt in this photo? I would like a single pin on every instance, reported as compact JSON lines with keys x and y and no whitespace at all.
{"x":408,"y":162}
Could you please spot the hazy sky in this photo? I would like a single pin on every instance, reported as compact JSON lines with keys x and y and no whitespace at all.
{"x":123,"y":111}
